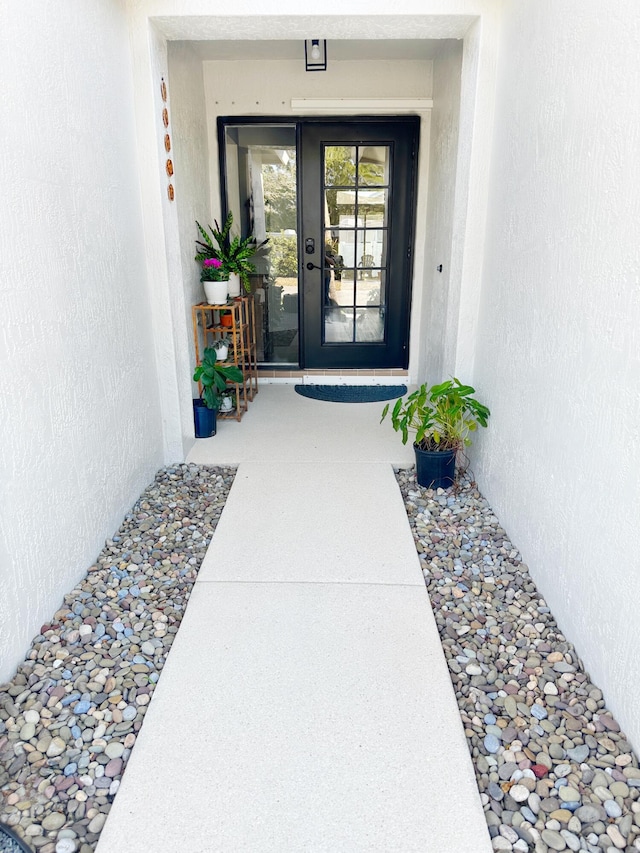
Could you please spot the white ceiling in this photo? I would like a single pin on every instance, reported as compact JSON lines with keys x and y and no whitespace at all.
{"x":337,"y":50}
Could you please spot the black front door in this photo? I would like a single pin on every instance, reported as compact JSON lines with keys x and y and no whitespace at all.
{"x":356,"y":213}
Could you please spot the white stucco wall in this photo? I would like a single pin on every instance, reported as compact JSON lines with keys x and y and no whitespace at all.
{"x":191,"y":158}
{"x":190,"y":154}
{"x":559,"y":337}
{"x":80,"y":431}
{"x":445,"y":121}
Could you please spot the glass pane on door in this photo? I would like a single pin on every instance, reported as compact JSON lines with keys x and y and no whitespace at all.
{"x":339,"y":166}
{"x":373,"y":165}
{"x":369,"y":325}
{"x":370,"y":288}
{"x":340,"y":208}
{"x":372,"y":208}
{"x":261,"y":183}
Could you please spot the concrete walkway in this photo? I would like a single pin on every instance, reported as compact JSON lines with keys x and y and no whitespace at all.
{"x":305,"y":704}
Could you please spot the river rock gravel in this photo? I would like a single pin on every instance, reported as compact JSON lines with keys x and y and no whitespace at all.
{"x":70,"y":716}
{"x":554,"y":770}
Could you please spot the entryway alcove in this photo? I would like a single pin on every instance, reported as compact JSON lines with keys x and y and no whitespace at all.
{"x":245,"y":78}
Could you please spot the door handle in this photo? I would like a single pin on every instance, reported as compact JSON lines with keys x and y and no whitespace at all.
{"x":312,"y":266}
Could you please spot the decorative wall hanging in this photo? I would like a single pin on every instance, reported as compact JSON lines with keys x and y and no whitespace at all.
{"x":167,"y":140}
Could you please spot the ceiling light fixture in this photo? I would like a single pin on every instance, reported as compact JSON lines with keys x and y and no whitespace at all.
{"x":315,"y":55}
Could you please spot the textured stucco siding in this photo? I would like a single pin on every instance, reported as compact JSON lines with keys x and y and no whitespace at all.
{"x":191,"y":159}
{"x":445,"y":122}
{"x":80,"y":430}
{"x":558,"y":358}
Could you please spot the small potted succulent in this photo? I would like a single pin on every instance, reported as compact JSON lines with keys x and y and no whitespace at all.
{"x":221,"y":346}
{"x":233,"y":253}
{"x":213,"y":378}
{"x":442,"y":419}
{"x":228,"y":401}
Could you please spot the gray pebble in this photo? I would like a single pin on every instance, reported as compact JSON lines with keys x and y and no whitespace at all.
{"x":579,"y":754}
{"x":612,"y":808}
{"x":553,"y":839}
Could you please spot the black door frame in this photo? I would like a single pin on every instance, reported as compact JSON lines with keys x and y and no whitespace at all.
{"x":401,"y":134}
{"x":404,"y":290}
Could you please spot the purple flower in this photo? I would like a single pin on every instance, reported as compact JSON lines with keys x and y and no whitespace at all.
{"x":212,"y":262}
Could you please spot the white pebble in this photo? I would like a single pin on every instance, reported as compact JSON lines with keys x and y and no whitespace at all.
{"x":519,"y":793}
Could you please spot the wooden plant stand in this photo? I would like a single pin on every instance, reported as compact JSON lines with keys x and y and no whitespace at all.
{"x":207,"y":329}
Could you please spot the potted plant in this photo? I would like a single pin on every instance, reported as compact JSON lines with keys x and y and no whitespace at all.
{"x":442,"y":419}
{"x":228,"y":401}
{"x":233,"y":254}
{"x":215,"y":281}
{"x":221,"y":346}
{"x":213,"y":377}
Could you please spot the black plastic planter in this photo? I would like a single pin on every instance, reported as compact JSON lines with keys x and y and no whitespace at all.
{"x":204,"y":419}
{"x":435,"y":469}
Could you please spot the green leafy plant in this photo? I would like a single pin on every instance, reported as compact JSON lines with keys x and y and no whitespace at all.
{"x":213,"y":376}
{"x":233,"y":253}
{"x":441,"y":417}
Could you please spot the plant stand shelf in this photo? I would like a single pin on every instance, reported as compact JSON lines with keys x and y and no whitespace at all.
{"x":207,"y":329}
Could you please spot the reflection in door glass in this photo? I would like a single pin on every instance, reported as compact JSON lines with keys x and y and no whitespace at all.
{"x":261,"y":193}
{"x":370,"y":288}
{"x":372,"y":208}
{"x":373,"y":165}
{"x":369,"y":324}
{"x":339,"y":166}
{"x":371,"y":250}
{"x":339,"y":207}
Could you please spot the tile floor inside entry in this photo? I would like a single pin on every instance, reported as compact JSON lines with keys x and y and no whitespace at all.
{"x":305,"y":703}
